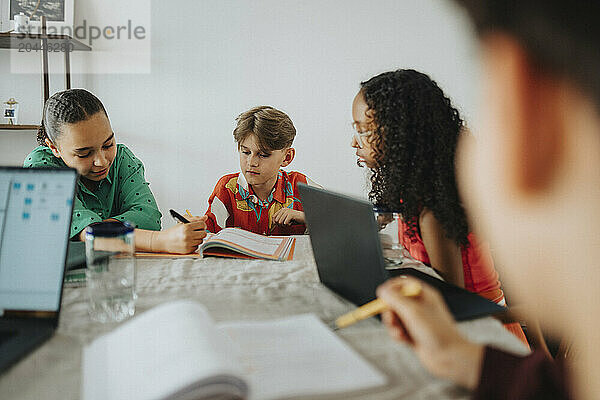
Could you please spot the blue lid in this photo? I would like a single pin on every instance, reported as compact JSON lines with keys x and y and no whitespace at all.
{"x":109,"y":229}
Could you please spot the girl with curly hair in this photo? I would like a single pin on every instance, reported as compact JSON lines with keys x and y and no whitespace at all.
{"x":406,"y":133}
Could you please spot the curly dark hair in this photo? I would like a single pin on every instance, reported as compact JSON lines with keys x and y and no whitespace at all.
{"x":414,"y":140}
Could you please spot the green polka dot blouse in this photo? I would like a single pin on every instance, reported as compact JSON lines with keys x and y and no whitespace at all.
{"x":123,"y":195}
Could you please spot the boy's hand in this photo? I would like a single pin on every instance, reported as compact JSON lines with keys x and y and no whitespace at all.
{"x":285,"y":216}
{"x":425,"y":324}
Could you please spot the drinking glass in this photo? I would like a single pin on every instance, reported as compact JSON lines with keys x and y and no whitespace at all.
{"x":111,"y":270}
{"x":388,"y":223}
{"x":388,"y":229}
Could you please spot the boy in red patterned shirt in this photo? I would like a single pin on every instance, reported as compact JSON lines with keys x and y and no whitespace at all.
{"x":262,"y":198}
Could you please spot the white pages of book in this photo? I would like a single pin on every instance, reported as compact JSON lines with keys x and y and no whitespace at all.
{"x":175,"y":351}
{"x":250,"y":240}
{"x":298,"y":356}
{"x":250,"y":243}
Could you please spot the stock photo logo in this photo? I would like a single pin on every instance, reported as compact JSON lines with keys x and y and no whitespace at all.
{"x":89,"y":33}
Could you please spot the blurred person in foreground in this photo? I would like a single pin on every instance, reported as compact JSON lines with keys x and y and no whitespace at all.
{"x":530,"y":180}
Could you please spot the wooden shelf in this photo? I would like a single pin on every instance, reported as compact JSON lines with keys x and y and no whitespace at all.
{"x":45,"y":44}
{"x":5,"y":127}
{"x":13,"y":40}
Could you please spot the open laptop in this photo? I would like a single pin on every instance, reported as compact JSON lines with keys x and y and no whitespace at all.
{"x":36,"y":206}
{"x":345,"y":241}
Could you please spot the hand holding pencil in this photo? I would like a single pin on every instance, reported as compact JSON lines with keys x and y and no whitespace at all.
{"x":409,"y":289}
{"x":184,"y":237}
{"x":194,"y":218}
{"x":424,"y":323}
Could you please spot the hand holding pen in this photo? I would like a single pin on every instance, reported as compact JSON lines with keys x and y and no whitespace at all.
{"x":186,"y":237}
{"x":409,"y":289}
{"x":425,"y":324}
{"x":185,"y":220}
{"x":179,"y":217}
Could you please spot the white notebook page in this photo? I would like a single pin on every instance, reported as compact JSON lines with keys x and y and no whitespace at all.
{"x":297,"y":356}
{"x":252,"y":241}
{"x":156,"y":354}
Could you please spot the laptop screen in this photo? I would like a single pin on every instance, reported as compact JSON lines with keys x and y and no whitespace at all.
{"x":35,"y":219}
{"x":345,"y":242}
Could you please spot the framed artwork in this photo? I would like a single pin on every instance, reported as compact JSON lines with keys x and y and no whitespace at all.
{"x":59,"y":14}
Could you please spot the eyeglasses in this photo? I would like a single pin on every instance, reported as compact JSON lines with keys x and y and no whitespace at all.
{"x":359,"y":135}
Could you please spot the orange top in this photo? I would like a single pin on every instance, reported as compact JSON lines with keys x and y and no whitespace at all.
{"x":478,"y":266}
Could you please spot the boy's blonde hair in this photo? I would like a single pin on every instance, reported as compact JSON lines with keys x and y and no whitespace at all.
{"x":274,"y":130}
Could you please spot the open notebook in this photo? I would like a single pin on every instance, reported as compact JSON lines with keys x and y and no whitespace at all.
{"x":175,"y":351}
{"x":238,"y":243}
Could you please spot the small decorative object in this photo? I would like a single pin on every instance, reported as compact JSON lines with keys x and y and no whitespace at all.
{"x":21,"y":23}
{"x":11,"y":111}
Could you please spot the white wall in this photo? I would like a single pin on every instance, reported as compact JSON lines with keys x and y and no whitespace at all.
{"x":211,"y":60}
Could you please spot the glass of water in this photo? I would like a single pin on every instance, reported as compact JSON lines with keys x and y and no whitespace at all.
{"x":111,"y":271}
{"x":388,"y":223}
{"x":388,"y":229}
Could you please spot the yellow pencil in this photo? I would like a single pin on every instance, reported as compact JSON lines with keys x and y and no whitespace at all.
{"x":188,"y":213}
{"x":377,"y":306}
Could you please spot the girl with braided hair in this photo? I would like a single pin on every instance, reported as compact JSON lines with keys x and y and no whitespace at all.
{"x":406,"y":133}
{"x":75,"y":132}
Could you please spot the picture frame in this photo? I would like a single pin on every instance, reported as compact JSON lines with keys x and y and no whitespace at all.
{"x":59,"y":14}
